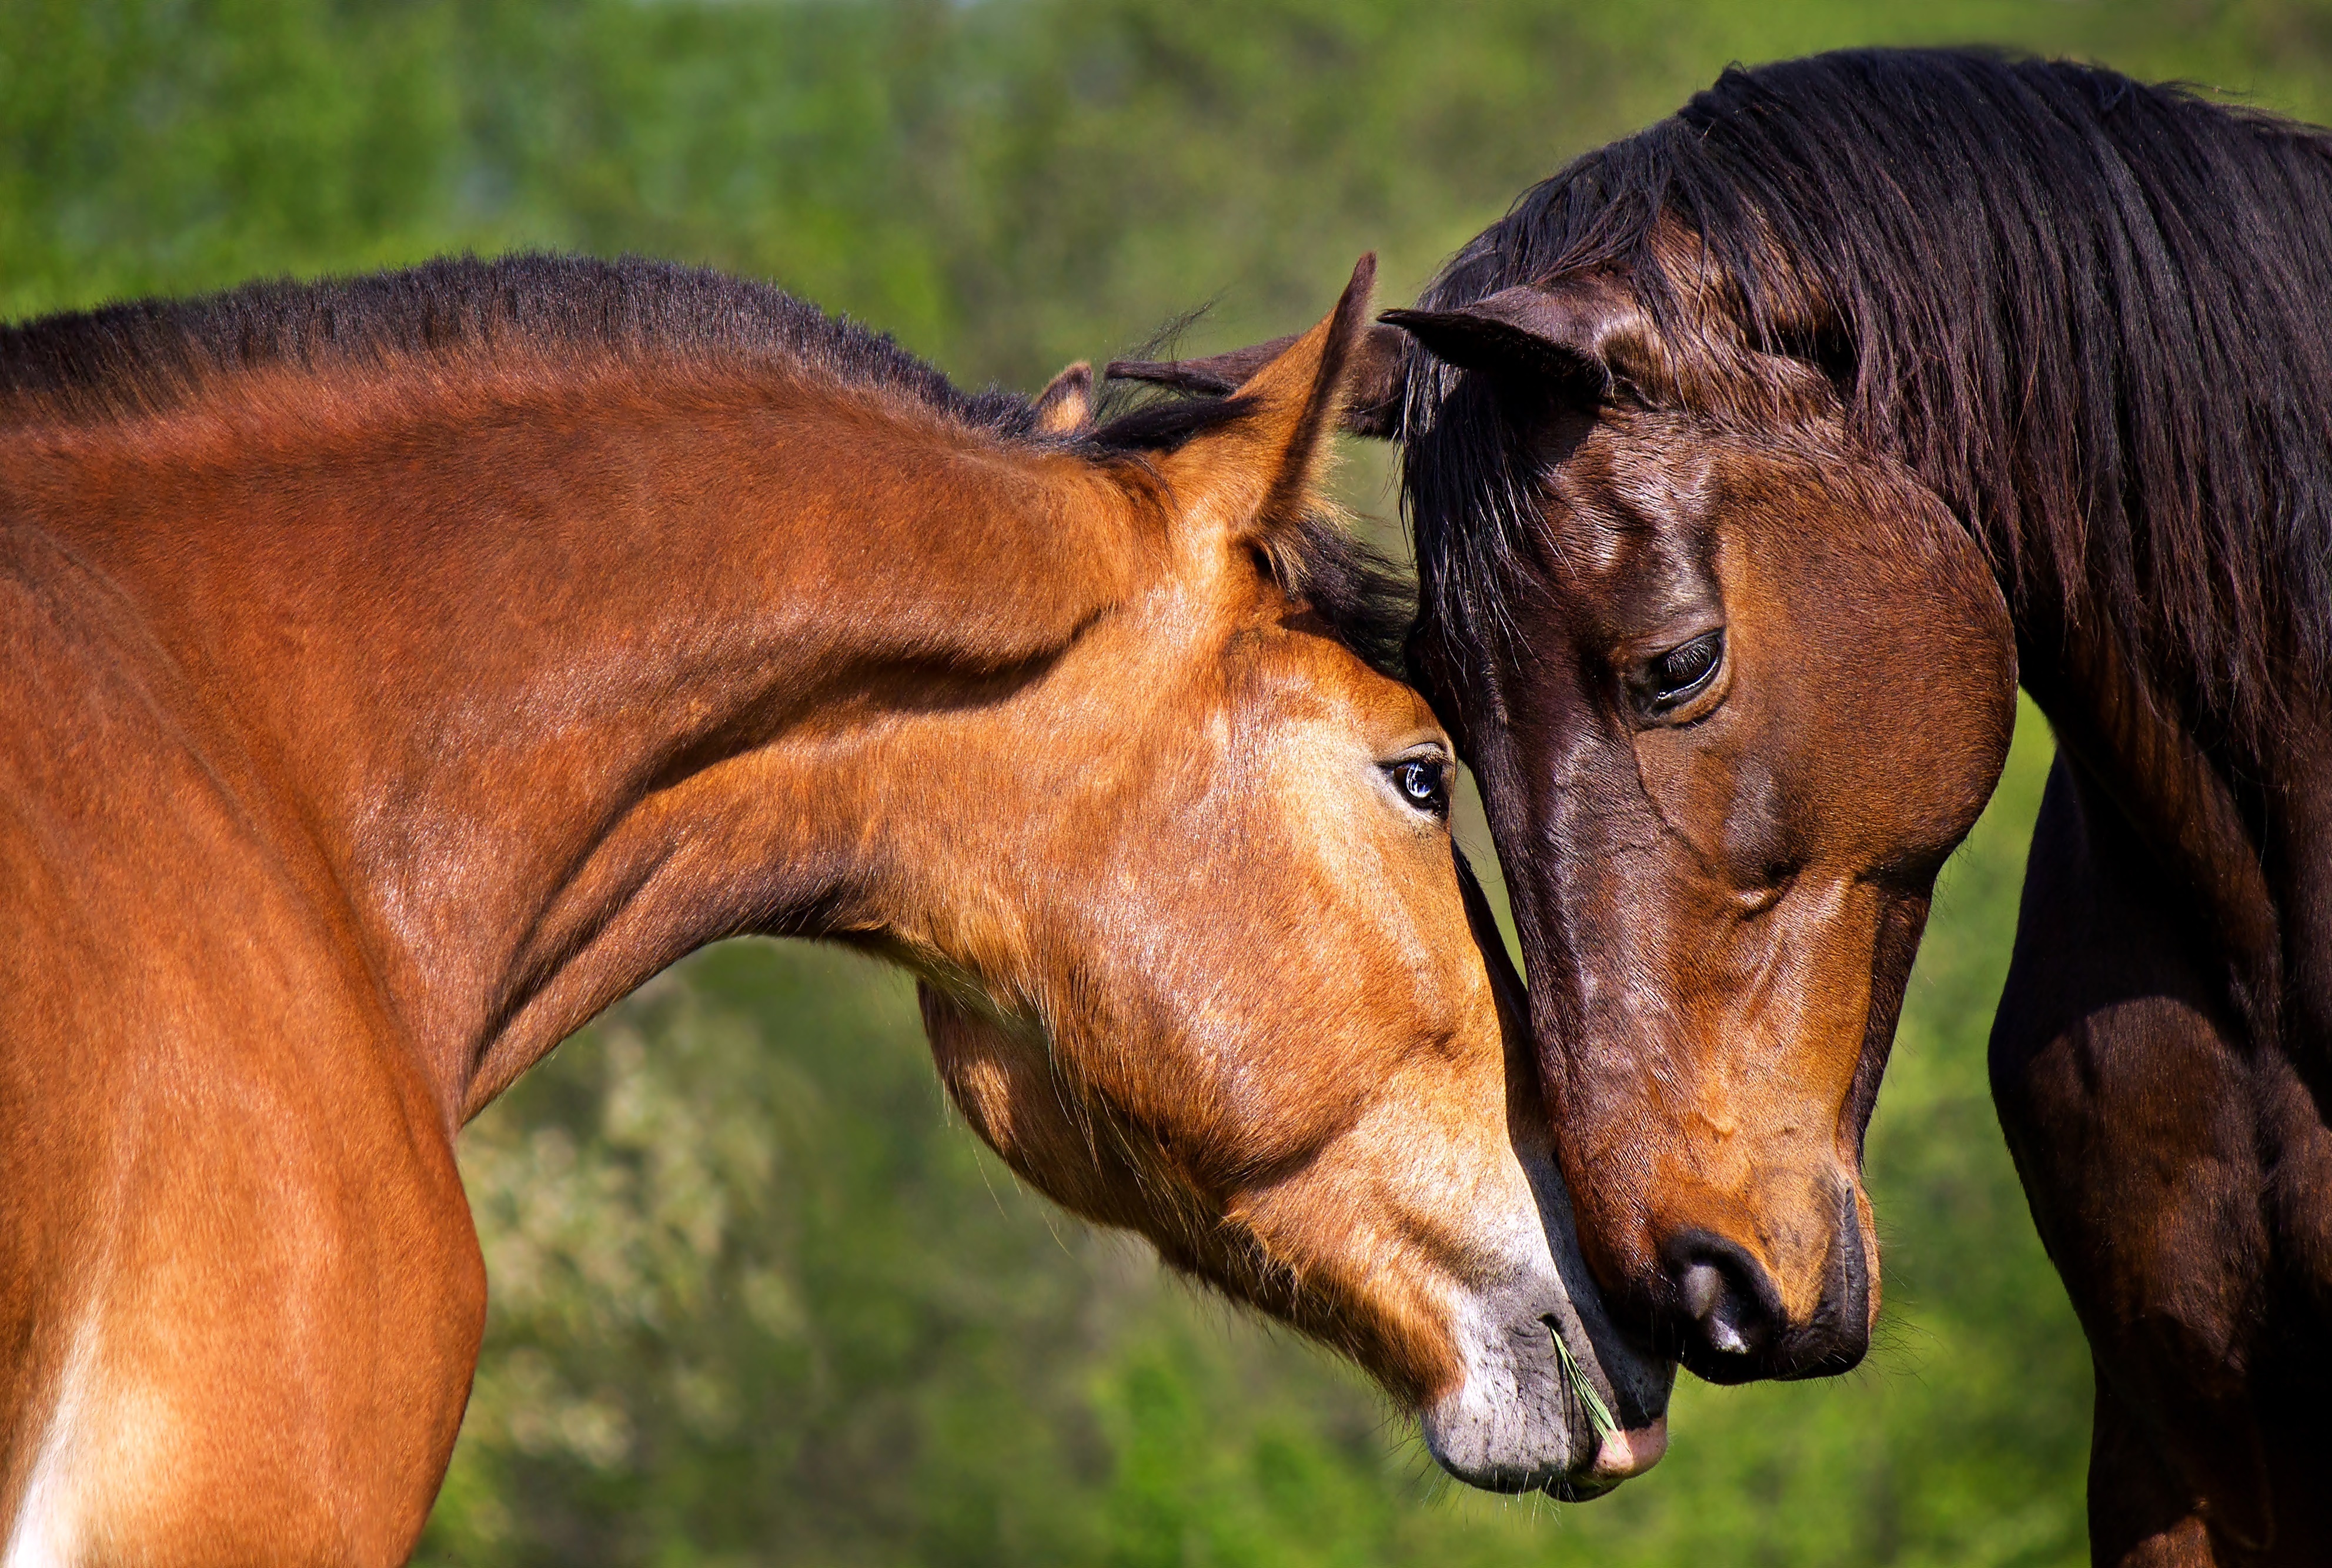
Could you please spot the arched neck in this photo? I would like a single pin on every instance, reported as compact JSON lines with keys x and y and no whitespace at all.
{"x":2136,"y":747}
{"x":555,"y":686}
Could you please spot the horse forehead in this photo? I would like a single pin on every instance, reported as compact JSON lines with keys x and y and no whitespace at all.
{"x":1633,"y":480}
{"x":1287,"y":667}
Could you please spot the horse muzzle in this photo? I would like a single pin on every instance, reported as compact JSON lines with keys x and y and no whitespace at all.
{"x":1728,"y":1319}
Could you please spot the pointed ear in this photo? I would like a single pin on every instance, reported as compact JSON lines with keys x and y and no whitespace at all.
{"x":1584,"y":335}
{"x":1066,"y":405}
{"x":1373,"y":377}
{"x":1215,"y":376}
{"x":1253,"y":467}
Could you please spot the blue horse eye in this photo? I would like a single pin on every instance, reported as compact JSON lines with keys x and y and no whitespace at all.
{"x":1423,"y":785}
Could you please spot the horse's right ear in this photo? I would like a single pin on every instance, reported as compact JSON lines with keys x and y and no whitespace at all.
{"x":1584,"y":335}
{"x":1373,"y":377}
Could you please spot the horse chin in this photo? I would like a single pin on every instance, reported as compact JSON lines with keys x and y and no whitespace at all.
{"x":1528,"y":1442}
{"x":1519,"y":1420}
{"x":1536,"y":1349}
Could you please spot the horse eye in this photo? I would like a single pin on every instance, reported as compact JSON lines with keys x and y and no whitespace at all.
{"x":1424,"y":783}
{"x":1684,"y":670}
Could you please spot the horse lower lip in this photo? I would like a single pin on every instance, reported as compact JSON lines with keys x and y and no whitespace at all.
{"x":1578,"y":1488}
{"x":1625,"y":1453}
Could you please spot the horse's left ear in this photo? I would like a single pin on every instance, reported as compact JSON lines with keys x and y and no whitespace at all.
{"x":1253,"y":466}
{"x":1583,"y":335}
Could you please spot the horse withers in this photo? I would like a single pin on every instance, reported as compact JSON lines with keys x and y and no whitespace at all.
{"x":1753,"y":460}
{"x":399,"y":670}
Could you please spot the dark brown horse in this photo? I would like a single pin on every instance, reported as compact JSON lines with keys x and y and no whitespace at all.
{"x":398,"y":672}
{"x":1752,"y":461}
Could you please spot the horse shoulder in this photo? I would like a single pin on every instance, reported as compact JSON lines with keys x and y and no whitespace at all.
{"x":240,"y":1296}
{"x":2132,"y":1104}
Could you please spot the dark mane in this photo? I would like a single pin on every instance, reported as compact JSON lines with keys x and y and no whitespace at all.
{"x":141,"y":357}
{"x":1366,"y":599}
{"x":2096,"y":317}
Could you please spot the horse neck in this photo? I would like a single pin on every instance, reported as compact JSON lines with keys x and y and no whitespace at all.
{"x":2135,"y":744}
{"x":526,"y":663}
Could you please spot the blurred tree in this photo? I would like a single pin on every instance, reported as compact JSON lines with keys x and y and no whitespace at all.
{"x":755,"y":1298}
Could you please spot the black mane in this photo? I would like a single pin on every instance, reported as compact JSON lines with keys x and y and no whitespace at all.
{"x":2096,"y":317}
{"x":126,"y":359}
{"x":1365,"y":597}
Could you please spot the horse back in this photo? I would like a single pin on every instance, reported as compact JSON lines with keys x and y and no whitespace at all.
{"x":239,"y":1292}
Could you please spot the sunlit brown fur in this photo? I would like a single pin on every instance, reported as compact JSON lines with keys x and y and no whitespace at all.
{"x":1744,"y":881}
{"x":372,"y":725}
{"x":1720,"y":905}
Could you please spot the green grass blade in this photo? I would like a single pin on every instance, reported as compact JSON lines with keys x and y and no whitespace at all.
{"x":1598,"y":1414}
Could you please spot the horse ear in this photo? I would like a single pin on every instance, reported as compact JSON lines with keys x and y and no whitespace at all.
{"x":1585,"y":334}
{"x":1215,"y":376}
{"x":1373,"y":377}
{"x":1254,"y":467}
{"x":1066,"y":405}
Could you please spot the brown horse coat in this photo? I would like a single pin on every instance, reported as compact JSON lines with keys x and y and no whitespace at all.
{"x":1754,"y":459}
{"x":396,"y":672}
{"x":1790,"y":433}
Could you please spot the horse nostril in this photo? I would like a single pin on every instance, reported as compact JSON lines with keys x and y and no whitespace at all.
{"x":1711,"y":1306}
{"x":1728,"y":1303}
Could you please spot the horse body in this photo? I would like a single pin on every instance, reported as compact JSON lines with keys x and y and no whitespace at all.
{"x":263,"y":1092}
{"x":1753,"y":460}
{"x":395,"y":694}
{"x":2177,"y":1173}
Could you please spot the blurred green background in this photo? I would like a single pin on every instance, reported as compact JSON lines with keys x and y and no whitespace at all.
{"x":756,"y":1297}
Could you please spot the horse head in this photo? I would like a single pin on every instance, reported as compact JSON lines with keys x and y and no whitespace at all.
{"x":1304,"y":1086}
{"x":1735,"y":685}
{"x":1746,"y":683}
{"x":729,"y":619}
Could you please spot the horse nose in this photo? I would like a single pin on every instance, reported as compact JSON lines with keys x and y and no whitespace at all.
{"x":1730,"y":1312}
{"x":1732,"y":1326}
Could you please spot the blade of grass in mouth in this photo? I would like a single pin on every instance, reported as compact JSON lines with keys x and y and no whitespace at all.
{"x":1598,"y":1414}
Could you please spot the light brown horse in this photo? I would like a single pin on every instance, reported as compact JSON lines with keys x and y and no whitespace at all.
{"x":398,"y":672}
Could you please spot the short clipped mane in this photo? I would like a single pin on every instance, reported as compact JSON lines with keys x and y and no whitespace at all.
{"x":128,"y":360}
{"x":2096,"y":317}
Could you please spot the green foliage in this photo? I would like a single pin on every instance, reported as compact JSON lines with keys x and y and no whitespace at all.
{"x":756,"y":1297}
